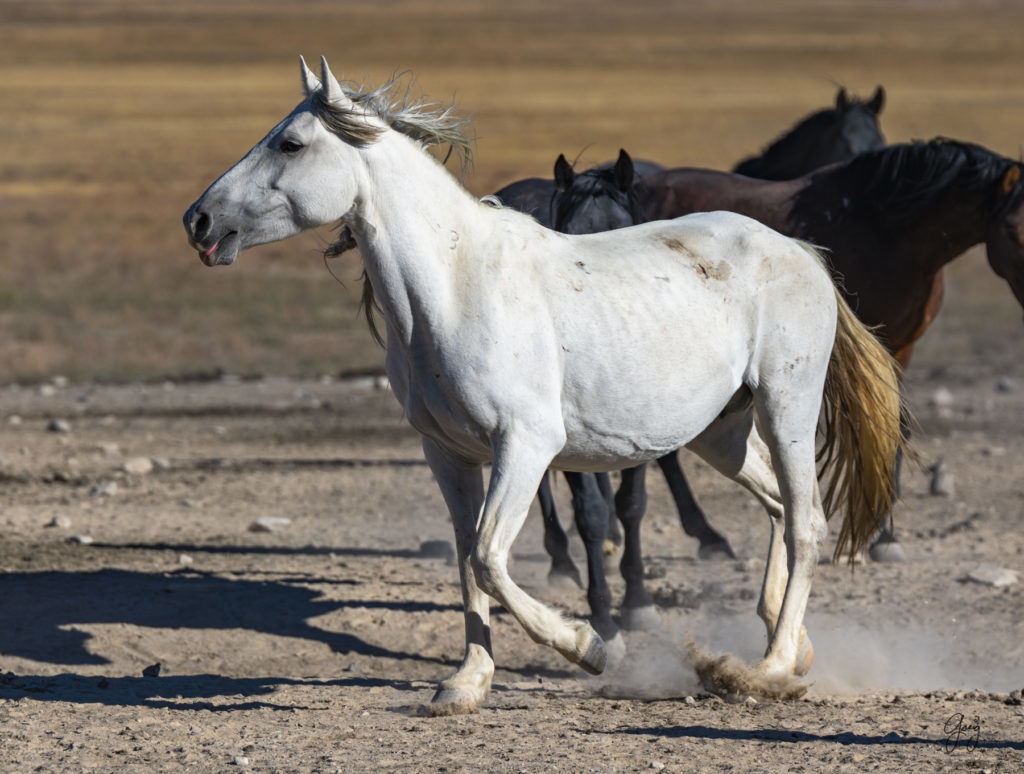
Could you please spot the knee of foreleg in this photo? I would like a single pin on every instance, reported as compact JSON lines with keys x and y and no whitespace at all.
{"x":487,"y":568}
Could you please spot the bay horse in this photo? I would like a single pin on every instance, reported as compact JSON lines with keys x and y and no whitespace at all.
{"x":890,"y":219}
{"x":512,"y":344}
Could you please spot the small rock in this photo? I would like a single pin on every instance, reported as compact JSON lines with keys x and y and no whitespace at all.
{"x":81,"y":539}
{"x":689,"y":700}
{"x":160,"y":463}
{"x":14,"y":420}
{"x":152,"y":670}
{"x":47,"y":390}
{"x":1005,"y":384}
{"x":63,"y":522}
{"x":59,"y":426}
{"x":941,"y":399}
{"x":241,"y":760}
{"x":104,"y":489}
{"x":891,"y":738}
{"x":990,"y":575}
{"x":185,"y":560}
{"x":138,"y":466}
{"x":354,"y":669}
{"x":108,"y":448}
{"x":750,"y":701}
{"x":270,"y":524}
{"x":941,"y":484}
{"x":657,"y":765}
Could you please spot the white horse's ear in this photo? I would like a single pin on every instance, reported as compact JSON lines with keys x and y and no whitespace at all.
{"x":332,"y":89}
{"x":310,"y":82}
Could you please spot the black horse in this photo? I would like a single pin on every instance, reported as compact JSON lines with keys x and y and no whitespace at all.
{"x":830,"y":135}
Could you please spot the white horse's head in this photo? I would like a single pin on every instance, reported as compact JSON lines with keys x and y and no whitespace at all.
{"x":302,"y":175}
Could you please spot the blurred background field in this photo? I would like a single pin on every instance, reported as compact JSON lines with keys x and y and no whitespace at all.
{"x":116,"y":114}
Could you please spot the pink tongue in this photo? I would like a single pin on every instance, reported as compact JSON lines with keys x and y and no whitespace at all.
{"x":209,"y":252}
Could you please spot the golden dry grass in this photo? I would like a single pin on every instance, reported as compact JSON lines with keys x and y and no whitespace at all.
{"x":118,"y":113}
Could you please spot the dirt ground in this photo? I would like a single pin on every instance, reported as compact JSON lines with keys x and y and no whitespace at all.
{"x":314,"y":648}
{"x":127,"y":510}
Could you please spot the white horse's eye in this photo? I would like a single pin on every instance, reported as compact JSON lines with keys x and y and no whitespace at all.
{"x":290,"y":146}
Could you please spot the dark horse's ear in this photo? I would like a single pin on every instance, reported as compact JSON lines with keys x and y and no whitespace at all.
{"x":1011,"y":179}
{"x":564,"y":174}
{"x":842,"y":101}
{"x":624,"y":171}
{"x":877,"y":101}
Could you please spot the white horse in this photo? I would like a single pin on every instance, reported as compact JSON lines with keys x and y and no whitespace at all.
{"x":513,"y":344}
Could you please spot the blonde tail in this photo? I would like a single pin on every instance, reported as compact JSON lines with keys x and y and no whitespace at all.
{"x":862,"y":409}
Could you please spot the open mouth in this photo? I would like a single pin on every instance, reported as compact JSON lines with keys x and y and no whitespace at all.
{"x":222,"y":252}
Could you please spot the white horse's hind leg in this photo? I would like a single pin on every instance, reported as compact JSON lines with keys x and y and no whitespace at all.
{"x":462,"y":488}
{"x":517,"y":471}
{"x":733,"y":446}
{"x":789,"y":420}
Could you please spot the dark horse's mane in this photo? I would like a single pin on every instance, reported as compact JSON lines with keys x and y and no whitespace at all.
{"x":900,"y":181}
{"x":792,"y":144}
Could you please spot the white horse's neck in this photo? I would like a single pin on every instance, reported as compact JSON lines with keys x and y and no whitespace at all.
{"x":411,"y":221}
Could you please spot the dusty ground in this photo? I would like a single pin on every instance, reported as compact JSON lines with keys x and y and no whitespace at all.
{"x":313,"y":648}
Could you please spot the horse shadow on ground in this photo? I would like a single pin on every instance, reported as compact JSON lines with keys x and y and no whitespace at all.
{"x":179,"y":692}
{"x":41,"y":613}
{"x":777,"y":736}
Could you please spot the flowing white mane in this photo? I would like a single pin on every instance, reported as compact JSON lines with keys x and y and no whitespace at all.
{"x":429,"y":123}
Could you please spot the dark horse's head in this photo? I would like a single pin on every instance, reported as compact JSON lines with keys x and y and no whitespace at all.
{"x":1005,"y":240}
{"x":834,"y":134}
{"x":599,"y":199}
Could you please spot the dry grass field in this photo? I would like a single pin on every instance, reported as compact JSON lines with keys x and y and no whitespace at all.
{"x":118,"y":113}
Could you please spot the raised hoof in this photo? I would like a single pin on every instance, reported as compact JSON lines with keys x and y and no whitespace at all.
{"x":596,"y":657}
{"x":452,"y":701}
{"x":640,"y":619}
{"x":887,"y":551}
{"x":564,"y":578}
{"x":716,"y":551}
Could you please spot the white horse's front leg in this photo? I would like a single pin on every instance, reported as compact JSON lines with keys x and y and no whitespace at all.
{"x":518,"y":468}
{"x":463,"y":491}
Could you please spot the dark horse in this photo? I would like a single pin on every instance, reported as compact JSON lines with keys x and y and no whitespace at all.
{"x":890,"y":219}
{"x":834,"y":134}
{"x":827,"y":135}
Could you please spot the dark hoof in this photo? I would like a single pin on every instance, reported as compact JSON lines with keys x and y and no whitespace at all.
{"x":640,"y":619}
{"x":717,"y":551}
{"x":887,"y":551}
{"x":564,"y":577}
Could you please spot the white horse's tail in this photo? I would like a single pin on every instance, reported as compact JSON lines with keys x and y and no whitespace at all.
{"x":862,"y":408}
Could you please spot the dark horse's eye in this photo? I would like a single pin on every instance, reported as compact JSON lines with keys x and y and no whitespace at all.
{"x":289,"y":146}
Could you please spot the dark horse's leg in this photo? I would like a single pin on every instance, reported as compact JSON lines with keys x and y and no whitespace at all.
{"x":592,"y":516}
{"x":695,"y":524}
{"x":604,"y":483}
{"x":638,"y":611}
{"x":886,"y":547}
{"x":555,"y":541}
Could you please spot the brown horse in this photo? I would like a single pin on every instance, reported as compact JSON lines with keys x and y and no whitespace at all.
{"x":890,"y":219}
